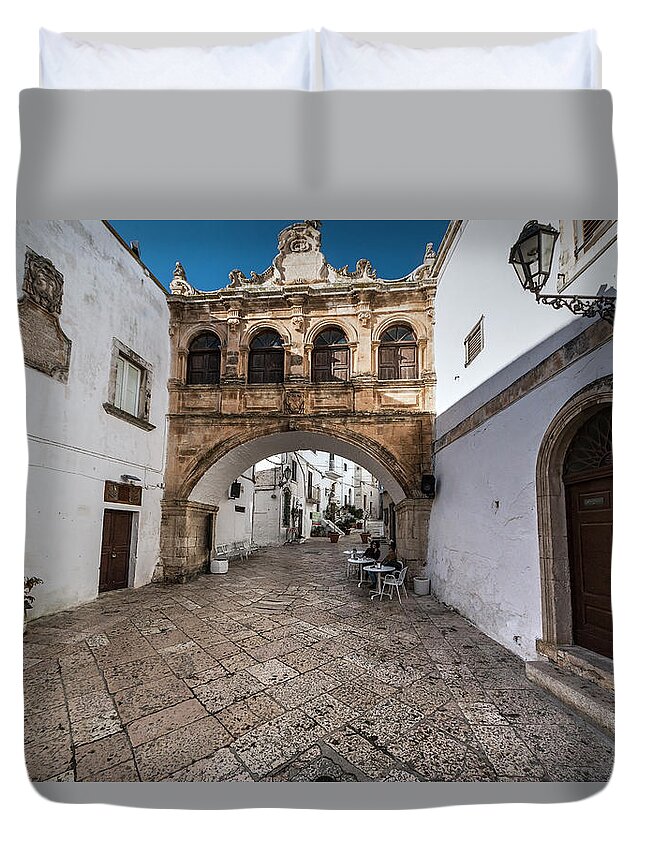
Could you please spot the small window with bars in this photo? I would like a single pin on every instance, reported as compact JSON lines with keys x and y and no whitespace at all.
{"x":474,"y":342}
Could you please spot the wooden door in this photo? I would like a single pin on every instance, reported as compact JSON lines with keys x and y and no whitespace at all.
{"x":589,"y":523}
{"x":266,"y":366}
{"x":204,"y":367}
{"x":340,"y":364}
{"x":388,"y":362}
{"x":330,"y":364}
{"x":397,"y":362}
{"x":115,"y":550}
{"x":321,"y":364}
{"x":407,"y":362}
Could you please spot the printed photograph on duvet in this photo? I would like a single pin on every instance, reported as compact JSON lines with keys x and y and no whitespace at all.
{"x":318,"y":501}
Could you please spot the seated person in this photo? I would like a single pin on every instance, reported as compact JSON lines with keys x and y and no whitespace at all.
{"x":373,"y":552}
{"x":391,"y":558}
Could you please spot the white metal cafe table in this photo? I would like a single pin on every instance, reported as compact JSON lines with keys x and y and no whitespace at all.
{"x":379,"y":571}
{"x":362,"y":563}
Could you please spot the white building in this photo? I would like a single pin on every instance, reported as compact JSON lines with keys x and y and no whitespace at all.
{"x":520,"y":527}
{"x":235,"y":515}
{"x":93,"y":321}
{"x":293,"y":490}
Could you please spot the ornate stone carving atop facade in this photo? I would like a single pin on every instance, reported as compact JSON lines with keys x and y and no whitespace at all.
{"x":179,"y":286}
{"x":300,"y":261}
{"x":238,"y":279}
{"x":299,"y":258}
{"x":45,"y":346}
{"x":364,"y":272}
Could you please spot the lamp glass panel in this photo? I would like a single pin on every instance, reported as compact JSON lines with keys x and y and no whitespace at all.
{"x":548,"y":244}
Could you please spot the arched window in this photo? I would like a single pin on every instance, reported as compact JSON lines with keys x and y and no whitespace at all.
{"x":204,"y":359}
{"x":266,"y":358}
{"x":330,"y":357}
{"x":397,"y":353}
{"x":591,"y":451}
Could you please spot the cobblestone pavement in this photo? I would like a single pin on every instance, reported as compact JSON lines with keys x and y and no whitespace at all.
{"x":283,"y":670}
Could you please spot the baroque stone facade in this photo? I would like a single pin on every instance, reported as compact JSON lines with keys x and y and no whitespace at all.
{"x":301,"y":355}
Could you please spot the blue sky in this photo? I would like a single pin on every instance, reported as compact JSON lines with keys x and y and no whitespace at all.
{"x":210,"y":249}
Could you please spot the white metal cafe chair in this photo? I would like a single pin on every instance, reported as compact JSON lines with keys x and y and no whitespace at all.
{"x":240,"y":550}
{"x":222,"y":552}
{"x":394,"y":581}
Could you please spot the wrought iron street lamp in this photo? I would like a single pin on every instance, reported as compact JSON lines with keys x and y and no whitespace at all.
{"x":532,"y":258}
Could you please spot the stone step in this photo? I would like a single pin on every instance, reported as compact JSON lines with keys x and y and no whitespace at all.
{"x":586,"y":698}
{"x":587,"y":664}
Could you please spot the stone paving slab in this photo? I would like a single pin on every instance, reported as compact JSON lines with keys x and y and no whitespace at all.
{"x":280,"y":671}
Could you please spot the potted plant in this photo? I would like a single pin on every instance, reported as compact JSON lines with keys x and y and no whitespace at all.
{"x":30,"y":583}
{"x":334,"y":536}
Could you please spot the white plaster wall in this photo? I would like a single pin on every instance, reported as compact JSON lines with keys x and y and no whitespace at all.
{"x":231,"y":525}
{"x":74,"y":445}
{"x":483,"y":540}
{"x":478,"y":280}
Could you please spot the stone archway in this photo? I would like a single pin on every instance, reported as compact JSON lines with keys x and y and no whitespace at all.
{"x":206,"y":455}
{"x":557,"y":623}
{"x":385,"y":423}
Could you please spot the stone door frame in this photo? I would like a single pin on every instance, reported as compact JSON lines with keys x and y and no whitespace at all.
{"x":555,"y":579}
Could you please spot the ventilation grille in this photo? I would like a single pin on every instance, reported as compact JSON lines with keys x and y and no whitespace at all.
{"x":474,"y":342}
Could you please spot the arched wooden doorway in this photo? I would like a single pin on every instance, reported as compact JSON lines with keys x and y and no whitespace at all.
{"x":587,"y":477}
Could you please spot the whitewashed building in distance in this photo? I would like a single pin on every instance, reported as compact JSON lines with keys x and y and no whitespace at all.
{"x":292,"y":491}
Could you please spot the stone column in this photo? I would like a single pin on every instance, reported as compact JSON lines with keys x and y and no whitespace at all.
{"x":184,"y":549}
{"x":363,"y":354}
{"x":294,"y":365}
{"x":412,"y":518}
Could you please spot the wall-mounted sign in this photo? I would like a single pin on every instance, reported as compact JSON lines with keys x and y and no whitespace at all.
{"x":122,"y":493}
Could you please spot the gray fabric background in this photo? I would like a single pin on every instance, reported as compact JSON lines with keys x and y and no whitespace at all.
{"x":320,"y":155}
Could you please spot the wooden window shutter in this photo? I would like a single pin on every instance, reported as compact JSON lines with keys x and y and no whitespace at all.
{"x":474,"y":342}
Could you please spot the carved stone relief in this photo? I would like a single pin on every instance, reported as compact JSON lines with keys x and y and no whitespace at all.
{"x":45,"y":346}
{"x":294,"y":403}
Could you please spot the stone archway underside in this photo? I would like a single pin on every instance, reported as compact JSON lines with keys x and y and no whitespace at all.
{"x":214,"y":484}
{"x":206,"y":454}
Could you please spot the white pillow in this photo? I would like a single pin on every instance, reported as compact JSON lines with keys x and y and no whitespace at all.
{"x":285,"y":62}
{"x":567,"y":62}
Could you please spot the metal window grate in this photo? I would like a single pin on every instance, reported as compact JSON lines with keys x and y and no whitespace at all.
{"x":474,"y":342}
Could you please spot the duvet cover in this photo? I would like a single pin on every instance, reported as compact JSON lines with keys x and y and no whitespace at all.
{"x":209,"y":280}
